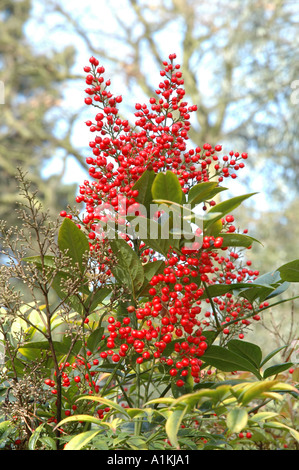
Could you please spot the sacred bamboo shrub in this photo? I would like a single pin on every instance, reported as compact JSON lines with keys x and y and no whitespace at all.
{"x":131,"y":168}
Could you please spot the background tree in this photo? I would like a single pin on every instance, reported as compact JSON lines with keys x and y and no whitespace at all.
{"x":279,"y":233}
{"x":33,"y":124}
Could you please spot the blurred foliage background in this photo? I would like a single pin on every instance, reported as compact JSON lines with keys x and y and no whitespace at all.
{"x":240,"y":64}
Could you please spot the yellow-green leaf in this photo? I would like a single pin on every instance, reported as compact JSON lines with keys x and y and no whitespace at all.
{"x":277,"y":425}
{"x":256,"y":390}
{"x":167,"y":186}
{"x":237,"y":419}
{"x":106,"y":402}
{"x":81,"y":440}
{"x":173,"y":425}
{"x":84,"y":418}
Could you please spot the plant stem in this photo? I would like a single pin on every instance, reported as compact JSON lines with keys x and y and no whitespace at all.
{"x":138,"y":422}
{"x":213,"y":307}
{"x":111,"y":377}
{"x":146,"y":393}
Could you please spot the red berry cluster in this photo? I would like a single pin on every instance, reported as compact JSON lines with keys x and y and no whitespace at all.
{"x":158,"y":140}
{"x":82,"y":373}
{"x":176,"y":310}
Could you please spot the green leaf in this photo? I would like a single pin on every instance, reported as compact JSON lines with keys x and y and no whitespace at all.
{"x":5,"y":428}
{"x":237,"y":239}
{"x":32,"y":353}
{"x":164,"y":401}
{"x":58,"y":285}
{"x":227,"y":206}
{"x":48,"y":442}
{"x":221,"y":289}
{"x":128,"y":269}
{"x":34,"y":438}
{"x":185,"y":389}
{"x":107,"y":402}
{"x":158,"y":237}
{"x":279,"y":290}
{"x":81,"y":440}
{"x":256,"y":390}
{"x":265,"y":287}
{"x":216,"y":395}
{"x":48,"y":261}
{"x":276,"y":369}
{"x":271,"y":354}
{"x":173,"y":425}
{"x":166,"y":186}
{"x":290,"y":271}
{"x":150,"y":269}
{"x":277,"y":425}
{"x":214,"y":229}
{"x":268,"y":279}
{"x":259,"y":293}
{"x":237,"y":419}
{"x":137,"y":443}
{"x":94,"y":339}
{"x":73,"y":241}
{"x":228,"y":361}
{"x":262,"y":416}
{"x":249,"y":351}
{"x":203,"y":192}
{"x":121,"y":310}
{"x":144,"y":187}
{"x":133,"y":412}
{"x":210,"y":336}
{"x":84,"y":418}
{"x":33,"y":350}
{"x":96,"y":297}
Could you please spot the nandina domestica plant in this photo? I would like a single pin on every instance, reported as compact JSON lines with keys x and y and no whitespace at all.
{"x":159,"y":289}
{"x":169,"y":286}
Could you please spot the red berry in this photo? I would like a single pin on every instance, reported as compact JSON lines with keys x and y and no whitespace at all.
{"x":180,"y":383}
{"x":115,"y":358}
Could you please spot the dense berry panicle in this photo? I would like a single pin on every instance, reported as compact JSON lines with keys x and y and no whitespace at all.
{"x":177,"y":310}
